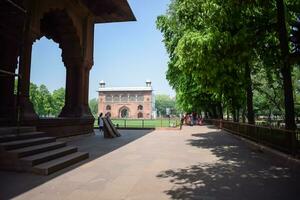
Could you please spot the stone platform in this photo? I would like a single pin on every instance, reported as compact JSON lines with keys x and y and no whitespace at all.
{"x":194,"y":163}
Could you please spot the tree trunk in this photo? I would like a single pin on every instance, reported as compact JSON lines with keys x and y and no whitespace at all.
{"x":227,"y":113}
{"x":286,"y":68}
{"x":244,"y":115}
{"x":237,"y":115}
{"x":250,"y":111}
{"x":234,"y":115}
{"x":220,"y":110}
{"x":214,"y":111}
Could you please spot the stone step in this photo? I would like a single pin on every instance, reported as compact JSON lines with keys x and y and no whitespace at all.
{"x":14,"y":130}
{"x":59,"y":163}
{"x":21,"y":136}
{"x":32,"y":160}
{"x":25,"y":143}
{"x":27,"y":151}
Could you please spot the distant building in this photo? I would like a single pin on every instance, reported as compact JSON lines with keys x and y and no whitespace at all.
{"x":126,"y":102}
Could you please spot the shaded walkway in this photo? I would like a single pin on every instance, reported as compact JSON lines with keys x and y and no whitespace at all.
{"x":195,"y":163}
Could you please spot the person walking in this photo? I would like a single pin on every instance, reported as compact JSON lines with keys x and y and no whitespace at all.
{"x":100,"y":123}
{"x":182,"y":121}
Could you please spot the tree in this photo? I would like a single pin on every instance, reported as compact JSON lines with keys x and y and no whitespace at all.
{"x":34,"y":95}
{"x":207,"y":42}
{"x":58,"y":99}
{"x":44,"y":101}
{"x":268,"y":93}
{"x":46,"y":104}
{"x":162,"y":102}
{"x":93,"y":103}
{"x":215,"y":48}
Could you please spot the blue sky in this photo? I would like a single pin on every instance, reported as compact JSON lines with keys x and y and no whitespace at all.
{"x":125,"y":54}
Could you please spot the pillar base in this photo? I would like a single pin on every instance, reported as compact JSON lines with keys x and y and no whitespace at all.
{"x":65,"y":127}
{"x":7,"y":116}
{"x":28,"y":115}
{"x":76,"y":112}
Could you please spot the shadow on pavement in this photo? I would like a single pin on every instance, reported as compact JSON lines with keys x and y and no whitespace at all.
{"x":241,"y":172}
{"x":13,"y":184}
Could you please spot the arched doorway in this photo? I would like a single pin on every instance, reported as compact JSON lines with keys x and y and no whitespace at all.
{"x":46,"y":92}
{"x":59,"y":26}
{"x":140,"y":115}
{"x":124,"y":112}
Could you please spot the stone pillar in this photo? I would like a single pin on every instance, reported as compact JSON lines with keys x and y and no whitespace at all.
{"x":8,"y":62}
{"x":78,"y":63}
{"x":27,"y":111}
{"x":77,"y":83}
{"x":87,"y":69}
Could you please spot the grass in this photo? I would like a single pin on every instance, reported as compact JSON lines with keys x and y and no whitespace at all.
{"x":144,"y":123}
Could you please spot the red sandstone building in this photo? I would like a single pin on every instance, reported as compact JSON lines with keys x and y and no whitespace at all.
{"x":126,"y":102}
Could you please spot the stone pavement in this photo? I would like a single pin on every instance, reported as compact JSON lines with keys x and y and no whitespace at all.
{"x":195,"y":163}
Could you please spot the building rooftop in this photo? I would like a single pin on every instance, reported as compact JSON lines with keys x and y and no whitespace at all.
{"x":110,"y":10}
{"x":102,"y":88}
{"x":124,"y":89}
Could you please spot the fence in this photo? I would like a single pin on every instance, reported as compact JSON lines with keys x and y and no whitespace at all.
{"x":280,"y":139}
{"x":145,"y":123}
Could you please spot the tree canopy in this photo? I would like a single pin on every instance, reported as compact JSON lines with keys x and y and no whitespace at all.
{"x":45,"y":103}
{"x":162,"y":102}
{"x":93,"y":103}
{"x":224,"y":52}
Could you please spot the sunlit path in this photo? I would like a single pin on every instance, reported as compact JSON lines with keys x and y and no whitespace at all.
{"x":195,"y":163}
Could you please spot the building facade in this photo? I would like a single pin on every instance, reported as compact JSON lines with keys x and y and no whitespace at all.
{"x":126,"y":102}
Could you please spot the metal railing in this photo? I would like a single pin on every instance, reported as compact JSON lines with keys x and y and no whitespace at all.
{"x":283,"y":140}
{"x":145,"y":123}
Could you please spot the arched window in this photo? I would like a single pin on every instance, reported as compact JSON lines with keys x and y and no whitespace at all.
{"x":116,"y":98}
{"x":108,"y":107}
{"x":124,"y":98}
{"x":132,"y":97}
{"x":140,"y":107}
{"x":140,"y":115}
{"x":108,"y":98}
{"x":140,"y":98}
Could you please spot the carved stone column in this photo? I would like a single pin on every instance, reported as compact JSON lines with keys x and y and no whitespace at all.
{"x":27,"y":110}
{"x":77,"y":81}
{"x":8,"y":62}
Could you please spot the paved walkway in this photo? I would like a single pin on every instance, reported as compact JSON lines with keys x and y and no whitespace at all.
{"x":195,"y":163}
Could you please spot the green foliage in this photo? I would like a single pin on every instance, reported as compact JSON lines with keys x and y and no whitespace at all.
{"x":162,"y":102}
{"x":296,"y":82}
{"x":93,"y":103}
{"x":58,"y":101}
{"x":45,"y":103}
{"x":268,"y":93}
{"x":211,"y":42}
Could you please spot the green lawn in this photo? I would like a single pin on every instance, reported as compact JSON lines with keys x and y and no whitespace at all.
{"x":144,"y":123}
